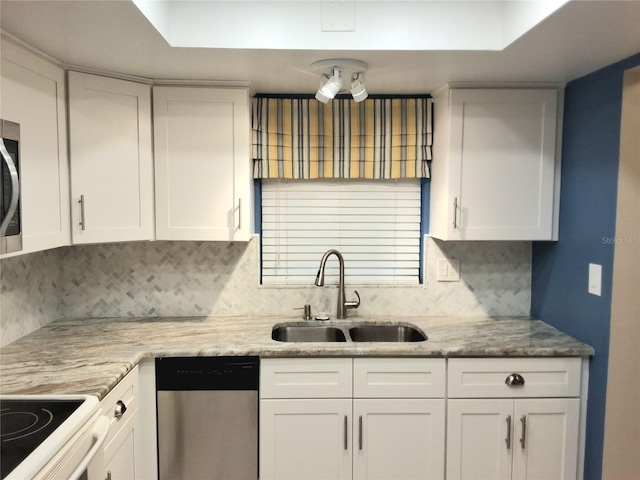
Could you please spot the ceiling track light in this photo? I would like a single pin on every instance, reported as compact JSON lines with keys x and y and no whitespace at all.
{"x":358,"y":90}
{"x":331,"y":87}
{"x":334,"y":71}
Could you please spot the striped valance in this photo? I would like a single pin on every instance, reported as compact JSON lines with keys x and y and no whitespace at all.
{"x":379,"y":138}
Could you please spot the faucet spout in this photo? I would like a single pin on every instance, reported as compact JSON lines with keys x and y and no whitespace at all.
{"x":343,"y":305}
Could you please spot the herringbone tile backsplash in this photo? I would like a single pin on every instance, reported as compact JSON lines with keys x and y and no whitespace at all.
{"x":29,"y":293}
{"x":221,"y":278}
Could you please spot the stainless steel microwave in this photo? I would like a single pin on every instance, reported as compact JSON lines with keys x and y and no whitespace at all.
{"x":10,"y":219}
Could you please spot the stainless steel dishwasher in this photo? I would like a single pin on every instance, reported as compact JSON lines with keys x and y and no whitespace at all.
{"x":207,"y":417}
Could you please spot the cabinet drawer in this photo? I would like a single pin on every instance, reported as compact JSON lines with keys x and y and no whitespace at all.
{"x":399,"y":377}
{"x":125,"y":391}
{"x":306,"y":378}
{"x":486,"y":377}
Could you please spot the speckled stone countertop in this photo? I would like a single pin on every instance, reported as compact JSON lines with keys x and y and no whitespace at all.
{"x":91,"y":355}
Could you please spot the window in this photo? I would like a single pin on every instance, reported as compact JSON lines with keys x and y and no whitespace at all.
{"x":374,"y":224}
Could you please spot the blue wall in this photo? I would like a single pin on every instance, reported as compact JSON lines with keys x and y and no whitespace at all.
{"x":591,"y":141}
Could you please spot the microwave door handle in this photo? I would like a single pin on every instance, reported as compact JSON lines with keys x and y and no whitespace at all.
{"x":15,"y":187}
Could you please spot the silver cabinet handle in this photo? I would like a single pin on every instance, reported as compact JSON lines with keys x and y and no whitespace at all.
{"x":455,"y":212}
{"x":346,"y":439}
{"x":360,"y":432}
{"x":15,"y":187}
{"x":508,"y":439}
{"x":108,"y":475}
{"x":238,"y":225}
{"x":514,"y":380}
{"x":81,"y":202}
{"x":523,"y":420}
{"x":120,"y":409}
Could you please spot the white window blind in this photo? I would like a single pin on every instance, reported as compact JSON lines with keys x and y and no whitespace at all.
{"x":374,"y":224}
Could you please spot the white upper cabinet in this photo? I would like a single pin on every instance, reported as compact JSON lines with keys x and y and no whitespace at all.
{"x":202,"y":163}
{"x":111,"y":159}
{"x":494,"y":171}
{"x":33,"y":95}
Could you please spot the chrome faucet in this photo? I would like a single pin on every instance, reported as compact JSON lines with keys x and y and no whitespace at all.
{"x":343,"y":305}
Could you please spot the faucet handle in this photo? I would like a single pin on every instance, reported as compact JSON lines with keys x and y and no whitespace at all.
{"x":352,"y":304}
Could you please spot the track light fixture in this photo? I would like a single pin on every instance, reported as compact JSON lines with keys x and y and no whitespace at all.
{"x":331,"y":87}
{"x":358,"y":91}
{"x":334,"y":72}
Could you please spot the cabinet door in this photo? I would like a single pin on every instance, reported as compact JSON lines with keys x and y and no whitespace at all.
{"x":111,"y":159}
{"x":202,"y":164}
{"x":33,"y":95}
{"x":494,"y":169}
{"x":120,"y":453}
{"x":479,"y":439}
{"x":504,"y":141}
{"x":398,"y":439}
{"x":546,"y":439}
{"x":305,"y":439}
{"x":121,"y":450}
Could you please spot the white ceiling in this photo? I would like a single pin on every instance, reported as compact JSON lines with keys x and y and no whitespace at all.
{"x":114,"y":36}
{"x":346,"y":24}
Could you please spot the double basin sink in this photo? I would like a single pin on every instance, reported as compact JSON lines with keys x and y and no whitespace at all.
{"x":349,"y":332}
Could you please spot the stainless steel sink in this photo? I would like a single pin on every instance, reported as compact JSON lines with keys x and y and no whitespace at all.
{"x":304,"y":333}
{"x":386,"y":333}
{"x":347,"y":332}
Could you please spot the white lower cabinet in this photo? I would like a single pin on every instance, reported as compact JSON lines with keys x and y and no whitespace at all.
{"x":305,"y":438}
{"x":398,"y":438}
{"x":122,"y":444}
{"x":304,"y":434}
{"x":513,"y":438}
{"x":547,"y":441}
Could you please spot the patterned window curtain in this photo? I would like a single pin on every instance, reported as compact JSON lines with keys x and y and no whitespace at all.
{"x":380,"y":138}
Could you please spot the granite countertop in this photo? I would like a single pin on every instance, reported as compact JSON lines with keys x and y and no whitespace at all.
{"x":91,"y":355}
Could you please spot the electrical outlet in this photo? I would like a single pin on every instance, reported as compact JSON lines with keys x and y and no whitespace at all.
{"x":448,"y":270}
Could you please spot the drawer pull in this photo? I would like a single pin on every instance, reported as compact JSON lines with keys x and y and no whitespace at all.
{"x":508,"y":439}
{"x":120,"y":409}
{"x":360,"y":432}
{"x":514,"y":380}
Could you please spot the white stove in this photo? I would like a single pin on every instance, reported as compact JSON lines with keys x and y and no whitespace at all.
{"x":47,"y":436}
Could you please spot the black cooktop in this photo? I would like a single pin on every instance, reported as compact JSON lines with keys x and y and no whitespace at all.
{"x":25,"y":424}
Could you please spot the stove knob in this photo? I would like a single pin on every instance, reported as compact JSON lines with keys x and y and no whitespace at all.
{"x":120,"y":409}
